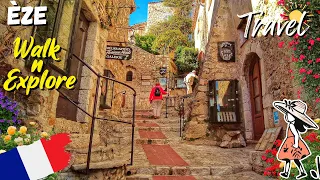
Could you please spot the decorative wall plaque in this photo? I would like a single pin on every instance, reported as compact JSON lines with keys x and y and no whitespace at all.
{"x":226,"y":51}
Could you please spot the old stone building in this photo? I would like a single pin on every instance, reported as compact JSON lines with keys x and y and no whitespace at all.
{"x":83,"y":29}
{"x":157,"y":12}
{"x":237,"y":96}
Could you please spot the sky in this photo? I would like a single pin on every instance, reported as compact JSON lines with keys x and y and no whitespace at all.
{"x":141,"y":13}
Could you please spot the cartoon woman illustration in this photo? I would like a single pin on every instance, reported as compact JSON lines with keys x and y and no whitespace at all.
{"x":294,"y":148}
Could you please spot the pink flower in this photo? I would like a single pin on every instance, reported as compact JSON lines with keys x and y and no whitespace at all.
{"x":280,"y":45}
{"x":309,"y":72}
{"x":302,"y":70}
{"x":318,"y":60}
{"x":292,"y":77}
{"x":318,"y":39}
{"x":316,"y":76}
{"x":291,"y":43}
{"x":309,"y":47}
{"x":318,"y":11}
{"x":317,"y":89}
{"x":317,"y":100}
{"x":284,"y":17}
{"x":294,"y":48}
{"x":296,"y":36}
{"x":310,"y":61}
{"x":302,"y":57}
{"x":280,"y":2}
{"x":311,"y":42}
{"x":304,"y":79}
{"x":308,"y":3}
{"x":294,"y":59}
{"x":290,"y":71}
{"x":264,"y":158}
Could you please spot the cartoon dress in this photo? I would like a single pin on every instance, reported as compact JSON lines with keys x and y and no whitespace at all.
{"x":288,"y":152}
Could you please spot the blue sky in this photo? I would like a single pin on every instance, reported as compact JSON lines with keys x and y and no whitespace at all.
{"x":141,"y":13}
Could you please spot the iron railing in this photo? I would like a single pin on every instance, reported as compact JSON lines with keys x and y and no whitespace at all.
{"x":94,"y":116}
{"x":182,"y":113}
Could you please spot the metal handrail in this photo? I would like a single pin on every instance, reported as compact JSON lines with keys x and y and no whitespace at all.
{"x":93,"y":115}
{"x":181,"y":112}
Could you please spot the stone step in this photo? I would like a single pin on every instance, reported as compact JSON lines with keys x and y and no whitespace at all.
{"x":188,"y":170}
{"x":98,"y":154}
{"x":109,"y":164}
{"x":163,"y":129}
{"x":80,"y":141}
{"x":152,"y":141}
{"x":67,"y":126}
{"x":159,"y":121}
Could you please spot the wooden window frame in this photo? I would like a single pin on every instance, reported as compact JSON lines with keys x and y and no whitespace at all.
{"x":212,"y":95}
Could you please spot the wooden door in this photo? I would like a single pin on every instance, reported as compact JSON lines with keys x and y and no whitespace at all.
{"x":256,"y":100}
{"x":66,"y":109}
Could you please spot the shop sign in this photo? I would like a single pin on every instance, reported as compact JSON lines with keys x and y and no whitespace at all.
{"x":226,"y":51}
{"x":119,"y":53}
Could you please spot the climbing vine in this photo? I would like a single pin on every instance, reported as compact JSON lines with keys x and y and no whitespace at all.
{"x":306,"y":49}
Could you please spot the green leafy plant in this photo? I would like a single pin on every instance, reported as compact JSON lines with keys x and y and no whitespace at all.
{"x":146,"y":42}
{"x":186,"y":59}
{"x":306,"y":50}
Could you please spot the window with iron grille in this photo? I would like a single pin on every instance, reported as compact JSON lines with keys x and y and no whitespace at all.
{"x":223,"y":101}
{"x":107,"y":91}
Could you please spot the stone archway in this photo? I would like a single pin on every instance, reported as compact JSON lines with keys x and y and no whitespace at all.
{"x":252,"y":96}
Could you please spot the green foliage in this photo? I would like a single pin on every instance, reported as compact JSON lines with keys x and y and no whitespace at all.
{"x":186,"y":59}
{"x":146,"y":42}
{"x":306,"y":56}
{"x":170,"y":39}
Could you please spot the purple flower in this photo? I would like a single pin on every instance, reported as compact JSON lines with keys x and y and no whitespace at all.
{"x":2,"y":120}
{"x":19,"y":121}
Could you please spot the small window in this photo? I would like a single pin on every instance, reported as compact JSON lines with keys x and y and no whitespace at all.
{"x":129,"y":76}
{"x":223,"y":101}
{"x":107,"y":91}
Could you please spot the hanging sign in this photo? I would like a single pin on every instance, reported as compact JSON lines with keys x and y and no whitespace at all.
{"x":276,"y":117}
{"x":119,"y":53}
{"x":226,"y":51}
{"x":163,"y":70}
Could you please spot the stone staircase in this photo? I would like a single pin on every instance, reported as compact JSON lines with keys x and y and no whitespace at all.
{"x":107,"y":153}
{"x":142,"y":167}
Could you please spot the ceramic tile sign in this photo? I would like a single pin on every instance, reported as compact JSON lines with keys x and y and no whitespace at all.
{"x":275,"y":117}
{"x":163,"y":71}
{"x":226,"y":51}
{"x":119,"y":53}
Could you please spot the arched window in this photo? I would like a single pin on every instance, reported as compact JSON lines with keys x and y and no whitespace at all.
{"x":129,"y":76}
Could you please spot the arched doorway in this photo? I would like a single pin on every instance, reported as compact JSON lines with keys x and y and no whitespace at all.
{"x":256,"y":98}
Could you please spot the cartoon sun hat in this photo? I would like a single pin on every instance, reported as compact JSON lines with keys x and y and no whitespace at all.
{"x":298,"y":109}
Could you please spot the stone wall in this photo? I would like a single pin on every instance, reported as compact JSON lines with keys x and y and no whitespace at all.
{"x":157,"y":12}
{"x":275,"y":78}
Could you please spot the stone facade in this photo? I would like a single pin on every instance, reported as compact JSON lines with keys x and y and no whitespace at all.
{"x":41,"y":105}
{"x":276,"y":83}
{"x":145,"y":68}
{"x":157,"y":12}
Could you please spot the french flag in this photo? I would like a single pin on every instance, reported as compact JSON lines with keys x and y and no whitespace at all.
{"x":35,"y":161}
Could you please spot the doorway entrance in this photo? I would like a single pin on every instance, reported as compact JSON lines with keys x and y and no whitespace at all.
{"x":66,"y":109}
{"x":256,"y":99}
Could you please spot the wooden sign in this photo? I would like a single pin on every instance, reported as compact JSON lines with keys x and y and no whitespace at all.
{"x":226,"y":51}
{"x":268,"y":138}
{"x":119,"y":53}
